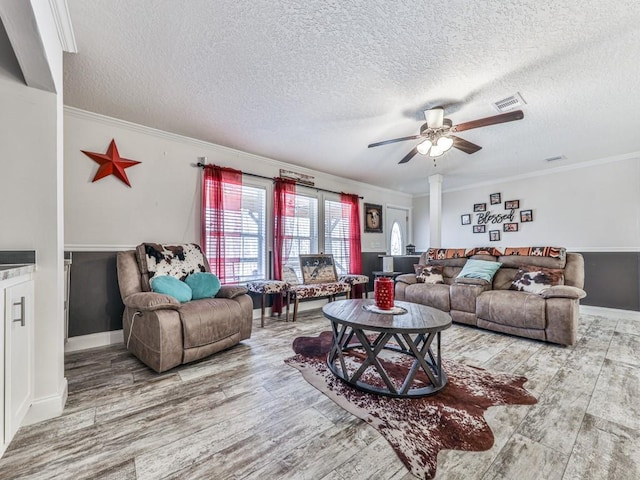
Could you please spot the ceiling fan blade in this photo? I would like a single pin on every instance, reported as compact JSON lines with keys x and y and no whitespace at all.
{"x":483,"y":122}
{"x":464,"y":145}
{"x":409,"y":155}
{"x":394,"y":140}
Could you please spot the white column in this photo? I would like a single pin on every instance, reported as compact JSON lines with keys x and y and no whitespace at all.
{"x":435,"y":211}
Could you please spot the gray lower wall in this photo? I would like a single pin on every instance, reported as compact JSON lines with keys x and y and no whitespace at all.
{"x":611,"y":280}
{"x":94,"y":298}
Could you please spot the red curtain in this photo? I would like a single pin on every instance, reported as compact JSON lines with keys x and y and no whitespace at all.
{"x":283,"y":206}
{"x":351,"y":210}
{"x":216,"y":200}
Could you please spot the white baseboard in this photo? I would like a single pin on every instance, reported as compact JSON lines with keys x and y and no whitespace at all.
{"x":47,"y":407}
{"x":93,"y":340}
{"x":610,"y":312}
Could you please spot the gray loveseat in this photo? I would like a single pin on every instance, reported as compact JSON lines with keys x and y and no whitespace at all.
{"x":550,"y":315}
{"x":163,"y":332}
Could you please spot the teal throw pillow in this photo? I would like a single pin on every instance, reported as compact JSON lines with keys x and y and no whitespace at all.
{"x":481,"y":269}
{"x":169,"y":285}
{"x":203,"y":284}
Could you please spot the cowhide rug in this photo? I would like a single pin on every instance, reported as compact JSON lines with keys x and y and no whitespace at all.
{"x":417,"y":429}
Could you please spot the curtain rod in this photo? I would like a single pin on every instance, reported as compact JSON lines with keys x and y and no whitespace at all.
{"x":317,"y":189}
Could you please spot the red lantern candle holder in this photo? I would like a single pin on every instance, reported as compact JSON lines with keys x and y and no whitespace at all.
{"x":383,"y":293}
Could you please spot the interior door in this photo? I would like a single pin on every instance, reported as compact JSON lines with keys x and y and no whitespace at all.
{"x":400,"y":217}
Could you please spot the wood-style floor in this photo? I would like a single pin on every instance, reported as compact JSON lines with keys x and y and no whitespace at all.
{"x":245,"y":414}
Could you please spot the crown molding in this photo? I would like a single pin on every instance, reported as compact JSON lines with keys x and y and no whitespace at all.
{"x":62,"y":19}
{"x":115,"y":122}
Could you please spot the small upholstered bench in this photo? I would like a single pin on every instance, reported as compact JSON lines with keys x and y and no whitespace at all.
{"x":319,"y":279}
{"x":317,"y":290}
{"x":353,"y":280}
{"x":268,"y":287}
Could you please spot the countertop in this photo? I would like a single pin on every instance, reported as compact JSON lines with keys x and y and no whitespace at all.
{"x":8,"y":271}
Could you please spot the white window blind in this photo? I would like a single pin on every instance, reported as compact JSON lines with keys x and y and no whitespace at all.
{"x":336,"y":234}
{"x":301,"y":232}
{"x":245,"y":233}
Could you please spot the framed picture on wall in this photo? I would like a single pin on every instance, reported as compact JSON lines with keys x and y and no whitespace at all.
{"x":479,"y":207}
{"x":510,"y":227}
{"x":494,"y":235}
{"x":465,"y":219}
{"x":526,"y":216}
{"x":372,"y":218}
{"x":479,"y":228}
{"x":512,"y":204}
{"x":495,"y":199}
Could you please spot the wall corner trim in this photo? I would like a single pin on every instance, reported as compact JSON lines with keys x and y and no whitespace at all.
{"x":47,"y":407}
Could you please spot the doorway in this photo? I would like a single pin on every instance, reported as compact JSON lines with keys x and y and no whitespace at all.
{"x":397,"y":228}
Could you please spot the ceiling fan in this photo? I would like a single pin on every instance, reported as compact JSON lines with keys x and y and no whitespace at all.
{"x":437,"y":133}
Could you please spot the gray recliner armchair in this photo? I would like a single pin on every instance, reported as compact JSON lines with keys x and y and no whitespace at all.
{"x":161,"y":331}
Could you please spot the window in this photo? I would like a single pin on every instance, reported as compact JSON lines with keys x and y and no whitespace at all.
{"x":300,"y":231}
{"x":396,"y":239}
{"x":336,"y":234}
{"x":244,"y":233}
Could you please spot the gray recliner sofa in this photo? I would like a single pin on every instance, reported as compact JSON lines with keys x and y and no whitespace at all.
{"x":161,"y":331}
{"x":551,"y":315}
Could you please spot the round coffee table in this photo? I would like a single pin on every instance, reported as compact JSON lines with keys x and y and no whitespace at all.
{"x":412,"y":333}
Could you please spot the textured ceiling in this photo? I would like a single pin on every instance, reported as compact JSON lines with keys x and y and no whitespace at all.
{"x":313,"y":83}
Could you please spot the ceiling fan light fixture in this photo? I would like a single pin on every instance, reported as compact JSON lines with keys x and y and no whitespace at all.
{"x":434,"y":117}
{"x":445,"y":143}
{"x":436,"y":151}
{"x":424,"y":147}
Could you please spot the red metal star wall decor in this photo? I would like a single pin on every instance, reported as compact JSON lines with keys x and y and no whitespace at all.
{"x":111,"y":163}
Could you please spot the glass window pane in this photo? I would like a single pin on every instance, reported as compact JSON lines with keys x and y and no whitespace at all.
{"x":396,"y":239}
{"x":336,"y":234}
{"x":245,"y":233}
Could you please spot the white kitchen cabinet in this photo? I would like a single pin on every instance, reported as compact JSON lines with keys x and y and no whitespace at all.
{"x":17,"y":362}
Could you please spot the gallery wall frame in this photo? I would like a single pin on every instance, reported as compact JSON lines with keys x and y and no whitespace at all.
{"x":510,"y":227}
{"x":526,"y":216}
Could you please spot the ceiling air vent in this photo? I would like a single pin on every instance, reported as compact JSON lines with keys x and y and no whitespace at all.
{"x":556,"y":158}
{"x":509,"y":103}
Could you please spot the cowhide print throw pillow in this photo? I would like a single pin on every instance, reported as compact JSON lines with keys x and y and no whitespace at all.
{"x":534,"y":279}
{"x":428,"y":273}
{"x":175,"y":260}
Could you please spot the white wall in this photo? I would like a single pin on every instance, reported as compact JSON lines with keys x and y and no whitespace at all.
{"x":163,"y":203}
{"x":31,"y":195}
{"x":421,"y":236}
{"x":594,"y":208}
